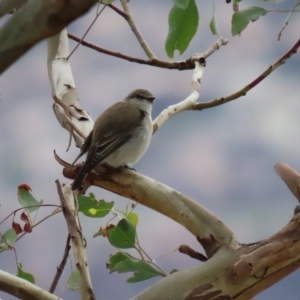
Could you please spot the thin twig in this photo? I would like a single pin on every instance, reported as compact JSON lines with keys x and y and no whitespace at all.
{"x":61,"y":266}
{"x":56,"y":211}
{"x":286,"y":22}
{"x":136,"y":31}
{"x":247,"y":88}
{"x":150,"y":260}
{"x":89,"y":28}
{"x":68,"y":112}
{"x":187,"y":64}
{"x":118,"y":11}
{"x":281,"y":10}
{"x":21,"y":208}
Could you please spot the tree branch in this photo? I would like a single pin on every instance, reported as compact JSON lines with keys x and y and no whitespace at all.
{"x":7,"y":6}
{"x":290,"y":177}
{"x":61,"y":266}
{"x":136,"y":31}
{"x":22,"y":288}
{"x":211,"y":231}
{"x":21,"y":32}
{"x":67,"y":109}
{"x":234,"y":274}
{"x":243,"y":91}
{"x":178,"y":65}
{"x":187,"y":103}
{"x":78,"y":244}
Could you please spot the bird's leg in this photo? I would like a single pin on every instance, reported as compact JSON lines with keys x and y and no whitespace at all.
{"x":130,"y":168}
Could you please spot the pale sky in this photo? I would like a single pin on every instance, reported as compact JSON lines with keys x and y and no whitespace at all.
{"x":222,"y":157}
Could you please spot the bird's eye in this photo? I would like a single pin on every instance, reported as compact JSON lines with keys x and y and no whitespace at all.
{"x":139,"y":97}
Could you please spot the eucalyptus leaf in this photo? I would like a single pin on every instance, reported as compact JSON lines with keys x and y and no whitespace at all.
{"x":26,"y":198}
{"x":123,"y":262}
{"x":183,"y":4}
{"x":24,"y":275}
{"x":8,"y":239}
{"x":73,"y":281}
{"x":242,"y":18}
{"x":213,"y":25}
{"x":183,"y":26}
{"x":93,"y":208}
{"x":123,"y":235}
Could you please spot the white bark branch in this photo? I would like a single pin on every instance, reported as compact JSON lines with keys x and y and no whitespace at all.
{"x":77,"y":240}
{"x":211,"y":232}
{"x":238,"y":274}
{"x":78,"y":122}
{"x":69,"y":113}
{"x":290,"y":177}
{"x":23,"y":289}
{"x":190,"y":102}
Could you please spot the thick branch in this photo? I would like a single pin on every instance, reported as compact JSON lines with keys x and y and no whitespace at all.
{"x":235,"y":274}
{"x":21,"y":32}
{"x":210,"y":230}
{"x":7,"y":6}
{"x":290,"y":177}
{"x":23,"y":289}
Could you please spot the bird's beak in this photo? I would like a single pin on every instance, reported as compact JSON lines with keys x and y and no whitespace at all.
{"x":151,"y":99}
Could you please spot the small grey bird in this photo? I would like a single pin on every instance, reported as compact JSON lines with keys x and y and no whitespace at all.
{"x":121,"y":135}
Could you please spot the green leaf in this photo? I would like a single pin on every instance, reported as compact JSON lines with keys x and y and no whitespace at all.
{"x":24,"y":275}
{"x":124,"y":262}
{"x":183,"y":26}
{"x":133,"y":218}
{"x":213,"y":23}
{"x":73,"y":280}
{"x":116,"y":258}
{"x":8,"y":239}
{"x":123,"y":235}
{"x":99,"y":233}
{"x":142,"y":270}
{"x":107,"y":1}
{"x":26,"y":199}
{"x":90,"y":207}
{"x":241,"y":19}
{"x":183,"y":4}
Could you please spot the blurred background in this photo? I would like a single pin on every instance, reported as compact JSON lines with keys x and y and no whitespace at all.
{"x":223,"y":157}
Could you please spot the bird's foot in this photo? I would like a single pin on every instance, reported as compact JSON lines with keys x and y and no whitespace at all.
{"x":130,"y":168}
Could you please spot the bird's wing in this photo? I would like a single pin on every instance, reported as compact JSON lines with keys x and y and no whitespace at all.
{"x":99,"y":152}
{"x":104,"y":140}
{"x":107,"y":139}
{"x":85,"y":147}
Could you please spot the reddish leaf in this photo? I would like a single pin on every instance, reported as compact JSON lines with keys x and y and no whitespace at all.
{"x":25,"y":186}
{"x":24,"y":217}
{"x":27,"y":228}
{"x":17,"y":228}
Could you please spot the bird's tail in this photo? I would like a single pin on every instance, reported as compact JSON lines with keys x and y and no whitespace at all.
{"x":77,"y":183}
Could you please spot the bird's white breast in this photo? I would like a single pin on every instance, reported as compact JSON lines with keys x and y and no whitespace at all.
{"x":133,"y":149}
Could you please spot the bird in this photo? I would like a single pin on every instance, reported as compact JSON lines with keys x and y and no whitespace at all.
{"x":121,"y":135}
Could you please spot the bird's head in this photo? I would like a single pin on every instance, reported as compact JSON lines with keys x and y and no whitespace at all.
{"x":142,"y":98}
